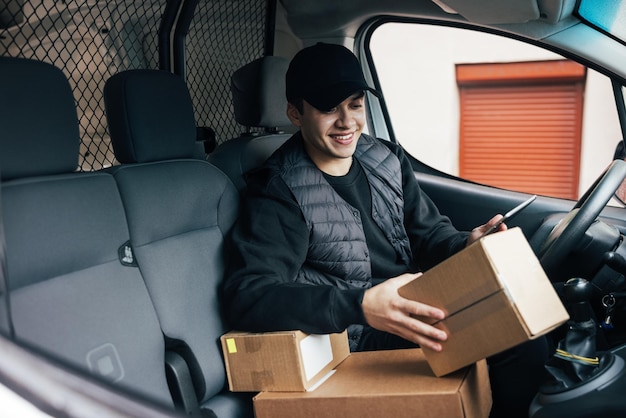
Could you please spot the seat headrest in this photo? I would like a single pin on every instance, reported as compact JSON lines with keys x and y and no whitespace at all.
{"x":39,"y":132}
{"x":258,"y":90}
{"x":150,"y":116}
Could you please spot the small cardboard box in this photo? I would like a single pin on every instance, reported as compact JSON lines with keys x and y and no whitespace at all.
{"x":281,"y":361}
{"x":393,"y":383}
{"x":495,"y":294}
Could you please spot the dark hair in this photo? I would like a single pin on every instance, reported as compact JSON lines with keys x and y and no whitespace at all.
{"x":298,"y":103}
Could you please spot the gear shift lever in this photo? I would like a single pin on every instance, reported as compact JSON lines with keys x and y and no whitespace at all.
{"x":577,"y":293}
{"x":581,"y":380}
{"x":575,"y":359}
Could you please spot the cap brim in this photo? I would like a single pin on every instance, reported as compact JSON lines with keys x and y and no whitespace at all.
{"x":329,"y":97}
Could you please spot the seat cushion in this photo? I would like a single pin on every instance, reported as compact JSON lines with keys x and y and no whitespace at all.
{"x":70,"y":294}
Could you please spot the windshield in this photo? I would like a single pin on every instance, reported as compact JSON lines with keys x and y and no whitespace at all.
{"x":609,"y":16}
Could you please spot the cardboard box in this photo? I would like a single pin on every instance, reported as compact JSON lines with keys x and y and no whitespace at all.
{"x":393,"y":383}
{"x":281,"y":361}
{"x":495,"y":294}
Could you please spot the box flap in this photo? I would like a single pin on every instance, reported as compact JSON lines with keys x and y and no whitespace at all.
{"x":481,"y":330}
{"x":447,"y":285}
{"x":524,"y":281}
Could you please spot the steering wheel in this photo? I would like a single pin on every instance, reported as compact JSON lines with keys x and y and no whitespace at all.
{"x":571,"y":229}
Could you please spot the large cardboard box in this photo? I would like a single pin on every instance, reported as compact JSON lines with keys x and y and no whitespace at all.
{"x":495,"y":294}
{"x":281,"y":361}
{"x":393,"y":383}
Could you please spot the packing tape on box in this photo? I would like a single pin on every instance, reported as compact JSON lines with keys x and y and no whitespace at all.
{"x":231,"y":346}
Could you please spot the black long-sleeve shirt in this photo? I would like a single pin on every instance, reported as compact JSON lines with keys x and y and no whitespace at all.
{"x":270,"y":242}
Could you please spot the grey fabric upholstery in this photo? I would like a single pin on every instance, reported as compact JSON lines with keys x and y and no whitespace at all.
{"x":179,"y":211}
{"x":70,"y":294}
{"x":39,"y":138}
{"x":143,"y":122}
{"x":237,"y":156}
{"x":258,"y":91}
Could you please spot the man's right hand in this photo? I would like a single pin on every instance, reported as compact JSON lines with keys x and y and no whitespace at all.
{"x":386,"y":310}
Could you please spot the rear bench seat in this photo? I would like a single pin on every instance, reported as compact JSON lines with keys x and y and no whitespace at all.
{"x":71,"y":295}
{"x":101,"y":265}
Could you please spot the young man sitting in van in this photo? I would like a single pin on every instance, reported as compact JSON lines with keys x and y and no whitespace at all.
{"x":335,"y":222}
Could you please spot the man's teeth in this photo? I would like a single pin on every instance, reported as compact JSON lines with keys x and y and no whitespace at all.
{"x":342,"y":137}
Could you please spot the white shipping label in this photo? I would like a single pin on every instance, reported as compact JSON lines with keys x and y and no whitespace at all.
{"x":316,"y":353}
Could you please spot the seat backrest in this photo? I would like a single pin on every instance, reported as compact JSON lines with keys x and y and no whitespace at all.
{"x":258,"y":91}
{"x":72,"y":295}
{"x":179,"y":210}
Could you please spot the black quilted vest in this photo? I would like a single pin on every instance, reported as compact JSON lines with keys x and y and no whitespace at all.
{"x":337,"y":253}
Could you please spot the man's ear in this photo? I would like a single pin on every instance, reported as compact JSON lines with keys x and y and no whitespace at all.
{"x":293,"y":114}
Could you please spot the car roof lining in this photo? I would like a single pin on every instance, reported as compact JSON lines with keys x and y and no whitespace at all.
{"x":555,"y":25}
{"x":330,"y":19}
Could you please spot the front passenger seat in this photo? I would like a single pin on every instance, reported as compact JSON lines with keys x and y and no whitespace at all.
{"x":258,"y":91}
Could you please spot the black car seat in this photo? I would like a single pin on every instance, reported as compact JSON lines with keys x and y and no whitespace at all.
{"x":72,"y":294}
{"x":258,"y":91}
{"x":179,"y":210}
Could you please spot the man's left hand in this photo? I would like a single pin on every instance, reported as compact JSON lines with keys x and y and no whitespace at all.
{"x":479,"y":231}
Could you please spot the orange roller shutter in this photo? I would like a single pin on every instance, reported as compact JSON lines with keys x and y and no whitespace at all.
{"x":521,"y":125}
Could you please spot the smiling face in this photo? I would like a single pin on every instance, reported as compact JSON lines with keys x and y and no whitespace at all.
{"x":330,"y":137}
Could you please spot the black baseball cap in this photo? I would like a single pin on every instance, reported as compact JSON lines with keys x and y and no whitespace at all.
{"x":325,"y":75}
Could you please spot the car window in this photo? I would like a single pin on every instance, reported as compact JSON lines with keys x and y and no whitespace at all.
{"x":495,"y":110}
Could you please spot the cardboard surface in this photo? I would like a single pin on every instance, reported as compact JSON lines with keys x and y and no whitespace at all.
{"x":495,"y":295}
{"x":281,"y":361}
{"x":393,"y":383}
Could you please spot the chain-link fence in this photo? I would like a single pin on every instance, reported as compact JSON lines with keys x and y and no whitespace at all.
{"x":224,"y":36}
{"x":92,"y":40}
